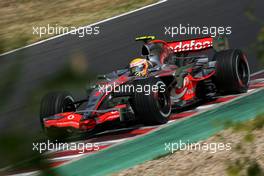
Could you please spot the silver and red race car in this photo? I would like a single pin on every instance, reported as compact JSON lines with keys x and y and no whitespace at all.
{"x":182,"y":73}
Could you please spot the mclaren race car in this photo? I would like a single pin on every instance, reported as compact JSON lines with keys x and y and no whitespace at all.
{"x":168,"y":76}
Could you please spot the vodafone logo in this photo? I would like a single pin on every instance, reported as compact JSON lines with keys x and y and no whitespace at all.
{"x":190,"y":45}
{"x":70,"y":117}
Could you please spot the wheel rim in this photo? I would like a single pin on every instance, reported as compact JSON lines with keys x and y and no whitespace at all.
{"x":163,"y":102}
{"x":242,"y":71}
{"x":161,"y":99}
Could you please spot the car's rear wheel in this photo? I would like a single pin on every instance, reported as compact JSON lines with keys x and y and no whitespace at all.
{"x":152,"y":107}
{"x":232,"y":71}
{"x":54,"y":103}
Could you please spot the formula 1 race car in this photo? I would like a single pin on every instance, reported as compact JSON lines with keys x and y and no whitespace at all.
{"x":181,"y":73}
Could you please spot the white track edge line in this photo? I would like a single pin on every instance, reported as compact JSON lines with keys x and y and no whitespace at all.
{"x":258,"y":72}
{"x":93,"y":24}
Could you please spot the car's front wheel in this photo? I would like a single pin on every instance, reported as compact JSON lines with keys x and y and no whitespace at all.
{"x":54,"y":103}
{"x":152,"y":105}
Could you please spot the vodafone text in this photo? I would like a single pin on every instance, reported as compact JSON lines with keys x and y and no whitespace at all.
{"x":189,"y":45}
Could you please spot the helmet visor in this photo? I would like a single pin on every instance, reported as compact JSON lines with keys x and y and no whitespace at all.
{"x":136,"y":69}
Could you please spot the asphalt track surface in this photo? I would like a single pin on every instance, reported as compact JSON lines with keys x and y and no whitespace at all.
{"x":115,"y":45}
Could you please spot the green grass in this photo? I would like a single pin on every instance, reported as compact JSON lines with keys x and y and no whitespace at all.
{"x":255,"y":124}
{"x":250,"y":166}
{"x":17,"y":17}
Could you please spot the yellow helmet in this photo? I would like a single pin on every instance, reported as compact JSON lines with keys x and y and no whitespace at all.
{"x":139,"y":67}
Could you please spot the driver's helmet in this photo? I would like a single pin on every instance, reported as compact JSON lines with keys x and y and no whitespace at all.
{"x":139,"y":67}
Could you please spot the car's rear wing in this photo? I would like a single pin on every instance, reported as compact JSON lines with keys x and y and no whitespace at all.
{"x":191,"y":45}
{"x":219,"y":43}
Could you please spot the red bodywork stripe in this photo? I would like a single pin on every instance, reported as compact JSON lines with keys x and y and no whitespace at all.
{"x":202,"y":78}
